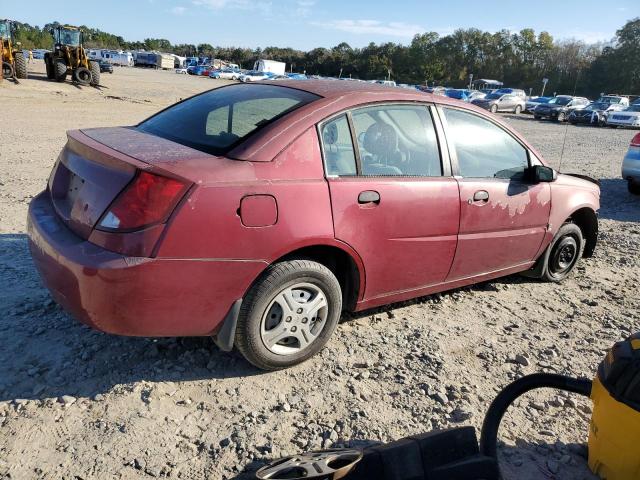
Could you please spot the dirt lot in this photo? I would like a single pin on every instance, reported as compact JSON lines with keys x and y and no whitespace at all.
{"x":79,"y":404}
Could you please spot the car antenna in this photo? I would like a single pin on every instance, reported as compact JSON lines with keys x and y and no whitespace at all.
{"x":566,"y":127}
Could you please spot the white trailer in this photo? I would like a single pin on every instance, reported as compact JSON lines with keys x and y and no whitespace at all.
{"x":123,"y":59}
{"x":270,"y":66}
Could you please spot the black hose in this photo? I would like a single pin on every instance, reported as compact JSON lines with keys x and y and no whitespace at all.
{"x":489,"y":433}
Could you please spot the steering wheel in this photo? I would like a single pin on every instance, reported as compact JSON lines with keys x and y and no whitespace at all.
{"x":324,"y":464}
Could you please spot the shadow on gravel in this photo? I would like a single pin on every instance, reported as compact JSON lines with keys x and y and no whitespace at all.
{"x":616,"y":203}
{"x":46,"y":353}
{"x":524,"y":461}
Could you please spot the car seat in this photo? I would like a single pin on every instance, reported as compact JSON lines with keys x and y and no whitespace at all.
{"x":381,"y":142}
{"x":336,"y":162}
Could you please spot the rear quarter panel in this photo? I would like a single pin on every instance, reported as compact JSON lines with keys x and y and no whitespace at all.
{"x":208,"y":225}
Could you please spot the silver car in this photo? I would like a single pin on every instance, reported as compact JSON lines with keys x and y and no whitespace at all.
{"x":631,"y":166}
{"x":498,"y":102}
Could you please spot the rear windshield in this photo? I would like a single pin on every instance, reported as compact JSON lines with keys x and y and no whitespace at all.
{"x":216,"y":121}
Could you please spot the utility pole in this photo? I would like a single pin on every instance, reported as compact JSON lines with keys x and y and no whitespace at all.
{"x":470,"y":80}
{"x":544,"y":84}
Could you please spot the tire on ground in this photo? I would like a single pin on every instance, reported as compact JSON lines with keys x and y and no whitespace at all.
{"x":633,"y":187}
{"x":568,"y":236}
{"x":60,"y":70}
{"x":7,"y":70}
{"x":48,"y":63}
{"x":21,"y":66}
{"x":276,"y":278}
{"x":95,"y":73}
{"x":82,"y":75}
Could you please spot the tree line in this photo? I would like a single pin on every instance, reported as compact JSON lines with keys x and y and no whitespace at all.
{"x":521,"y":59}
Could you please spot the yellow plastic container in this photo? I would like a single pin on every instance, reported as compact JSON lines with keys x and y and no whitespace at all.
{"x":614,"y":434}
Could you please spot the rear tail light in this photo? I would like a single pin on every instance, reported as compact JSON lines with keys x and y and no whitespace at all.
{"x":635,"y":141}
{"x":149,"y":199}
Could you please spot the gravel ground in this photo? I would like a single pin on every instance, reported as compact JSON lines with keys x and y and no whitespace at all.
{"x":78,"y":404}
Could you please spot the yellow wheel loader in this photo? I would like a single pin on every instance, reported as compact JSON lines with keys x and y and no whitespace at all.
{"x":14,"y":65}
{"x":69,"y":57}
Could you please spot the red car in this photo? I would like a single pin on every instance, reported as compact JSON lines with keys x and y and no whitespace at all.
{"x":257,"y":213}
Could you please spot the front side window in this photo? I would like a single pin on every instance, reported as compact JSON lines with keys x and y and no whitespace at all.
{"x":397,"y":140}
{"x":484,"y":150}
{"x":216,"y":121}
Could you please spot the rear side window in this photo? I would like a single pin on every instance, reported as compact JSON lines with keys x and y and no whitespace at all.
{"x":216,"y":121}
{"x":338,"y":148}
{"x":484,"y":150}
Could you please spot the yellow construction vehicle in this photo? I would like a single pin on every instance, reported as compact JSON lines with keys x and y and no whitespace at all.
{"x":69,"y":57}
{"x":14,"y":65}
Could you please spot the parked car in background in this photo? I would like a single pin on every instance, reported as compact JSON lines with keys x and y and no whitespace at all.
{"x":458,"y":94}
{"x":620,"y":100}
{"x":559,"y":108}
{"x":629,"y":117}
{"x":533,"y":102}
{"x":182,"y":71}
{"x":593,"y":114}
{"x":299,"y":76}
{"x":202,"y":70}
{"x":239,"y":213}
{"x":226,"y":74}
{"x":631,"y":166}
{"x":513,"y":91}
{"x":475,"y":95}
{"x":254,"y":76}
{"x":487,"y":91}
{"x":105,"y":66}
{"x":501,"y":102}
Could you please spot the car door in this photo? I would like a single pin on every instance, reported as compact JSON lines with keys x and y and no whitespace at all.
{"x":393,"y":198}
{"x":503,"y":217}
{"x":507,"y":103}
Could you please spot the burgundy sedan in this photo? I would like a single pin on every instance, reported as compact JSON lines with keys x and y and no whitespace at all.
{"x":257,"y":213}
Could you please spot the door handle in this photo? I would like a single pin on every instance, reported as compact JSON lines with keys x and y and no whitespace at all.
{"x":479,"y":196}
{"x":369,"y":196}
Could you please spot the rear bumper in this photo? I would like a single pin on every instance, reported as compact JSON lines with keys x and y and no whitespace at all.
{"x":135,"y":296}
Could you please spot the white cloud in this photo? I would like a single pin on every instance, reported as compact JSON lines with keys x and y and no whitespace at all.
{"x":178,"y":10}
{"x":304,"y":7}
{"x":375,"y":27}
{"x":587,"y":36}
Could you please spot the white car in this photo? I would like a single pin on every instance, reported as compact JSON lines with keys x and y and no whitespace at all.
{"x":253,"y":76}
{"x":182,"y":71}
{"x":629,"y":117}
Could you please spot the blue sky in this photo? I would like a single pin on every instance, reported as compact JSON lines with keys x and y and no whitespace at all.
{"x":306,"y":24}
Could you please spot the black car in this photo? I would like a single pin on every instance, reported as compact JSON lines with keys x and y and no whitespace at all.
{"x":594,"y":114}
{"x":559,"y":108}
{"x":105,"y":67}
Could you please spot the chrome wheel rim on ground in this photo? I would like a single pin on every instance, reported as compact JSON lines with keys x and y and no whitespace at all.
{"x":334,"y":464}
{"x":564,"y":256}
{"x":294,"y":319}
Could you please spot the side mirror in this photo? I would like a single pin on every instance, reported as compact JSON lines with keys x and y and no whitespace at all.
{"x":542,"y":173}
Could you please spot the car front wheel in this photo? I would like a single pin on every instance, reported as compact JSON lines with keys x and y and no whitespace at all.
{"x":564,"y":252}
{"x":289,"y":314}
{"x":494,"y":108}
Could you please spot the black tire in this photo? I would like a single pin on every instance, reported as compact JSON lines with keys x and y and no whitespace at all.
{"x":48,"y":63}
{"x":562,"y":255}
{"x":7,"y":70}
{"x":95,"y":73}
{"x":561,"y":117}
{"x":21,"y":66}
{"x":634,"y":187}
{"x":260,"y":298}
{"x":493,"y":109}
{"x":517,"y":110}
{"x":60,"y":70}
{"x":537,"y":117}
{"x":82,"y":75}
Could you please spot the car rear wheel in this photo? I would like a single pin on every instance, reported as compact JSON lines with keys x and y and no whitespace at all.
{"x":561,"y":117}
{"x":494,"y":108}
{"x":634,"y":187}
{"x":564,"y":252}
{"x":517,"y":110}
{"x":289,"y":314}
